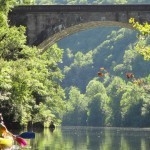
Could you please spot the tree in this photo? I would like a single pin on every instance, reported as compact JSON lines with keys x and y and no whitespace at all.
{"x":131,"y":105}
{"x":142,"y":46}
{"x":96,"y":113}
{"x":115,"y":92}
{"x":97,"y":103}
{"x":76,"y":108}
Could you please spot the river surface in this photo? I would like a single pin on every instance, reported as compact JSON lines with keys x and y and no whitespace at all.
{"x":90,"y":138}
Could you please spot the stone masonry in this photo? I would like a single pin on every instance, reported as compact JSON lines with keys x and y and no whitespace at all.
{"x":47,"y":24}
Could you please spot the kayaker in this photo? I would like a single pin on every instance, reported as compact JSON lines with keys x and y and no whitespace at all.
{"x":52,"y":126}
{"x":3,"y":128}
{"x":6,"y":142}
{"x":8,"y":137}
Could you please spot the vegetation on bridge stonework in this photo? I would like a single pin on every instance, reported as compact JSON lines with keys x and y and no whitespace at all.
{"x":40,"y":87}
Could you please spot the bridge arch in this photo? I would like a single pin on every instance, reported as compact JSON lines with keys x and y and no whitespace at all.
{"x":77,"y":28}
{"x":47,"y":24}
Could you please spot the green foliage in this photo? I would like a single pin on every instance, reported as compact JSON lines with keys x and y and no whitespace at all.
{"x":75,"y":2}
{"x":131,"y":104}
{"x":116,"y":53}
{"x":10,"y":46}
{"x":120,"y":1}
{"x":5,"y":6}
{"x":142,"y":46}
{"x":25,"y":2}
{"x":97,"y":103}
{"x":33,"y":75}
{"x":95,"y":111}
{"x":30,"y":83}
{"x":81,"y":59}
{"x":94,"y":87}
{"x":76,"y":108}
{"x":114,"y":92}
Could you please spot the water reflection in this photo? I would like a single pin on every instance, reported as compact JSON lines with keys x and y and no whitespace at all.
{"x":86,"y":138}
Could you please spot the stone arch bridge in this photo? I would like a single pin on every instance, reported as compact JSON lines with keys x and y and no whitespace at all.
{"x":47,"y":24}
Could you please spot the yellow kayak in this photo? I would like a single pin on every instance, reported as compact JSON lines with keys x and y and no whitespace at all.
{"x":6,"y":143}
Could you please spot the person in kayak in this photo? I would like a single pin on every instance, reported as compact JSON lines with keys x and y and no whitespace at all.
{"x":3,"y":128}
{"x":6,"y":138}
{"x":6,"y":135}
{"x":52,"y":126}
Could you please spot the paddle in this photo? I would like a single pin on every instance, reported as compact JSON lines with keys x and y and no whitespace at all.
{"x":19,"y":140}
{"x":5,"y":132}
{"x":27,"y":135}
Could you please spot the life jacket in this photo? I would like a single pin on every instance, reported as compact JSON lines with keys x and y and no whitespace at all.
{"x":3,"y":130}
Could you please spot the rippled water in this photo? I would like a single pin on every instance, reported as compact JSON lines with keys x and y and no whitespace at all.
{"x":91,"y":138}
